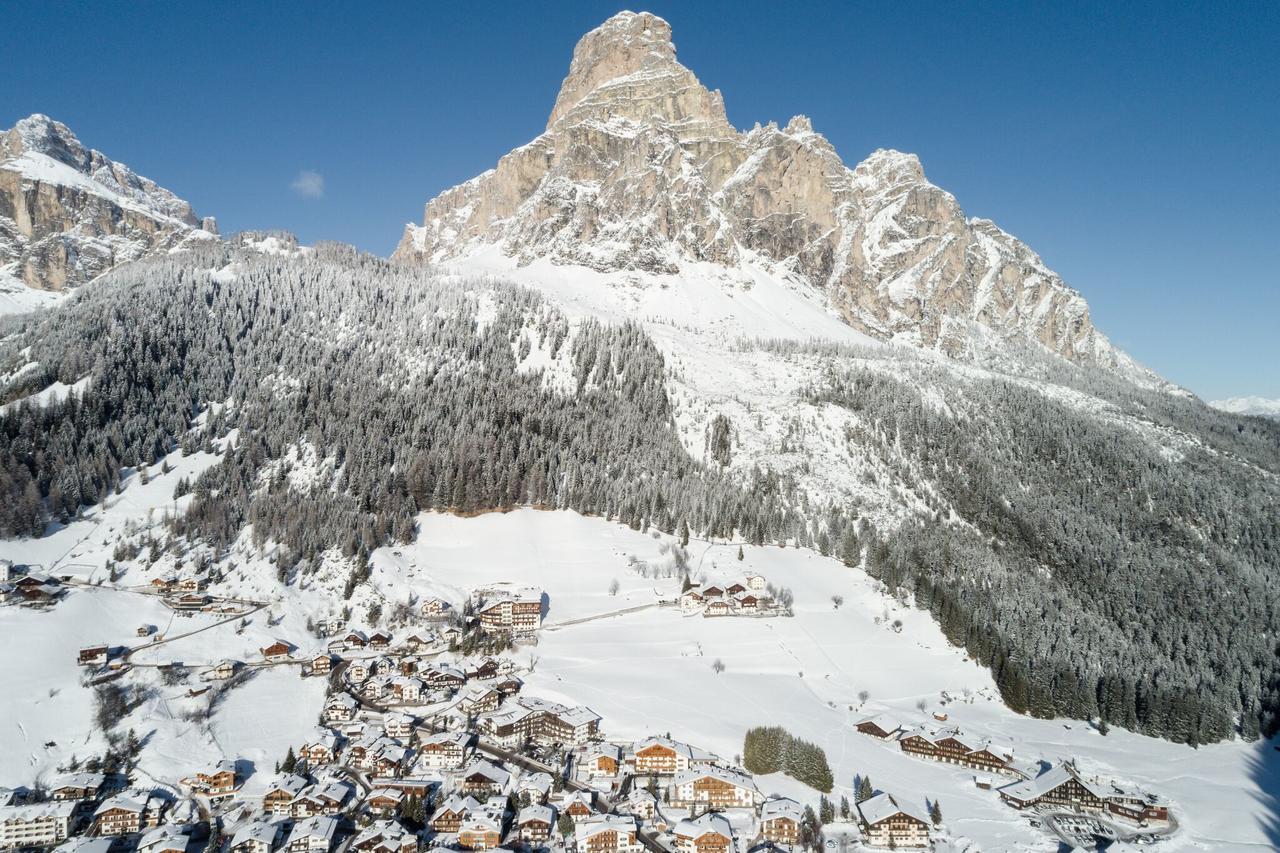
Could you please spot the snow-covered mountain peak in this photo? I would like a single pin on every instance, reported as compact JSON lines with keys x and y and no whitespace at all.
{"x":627,"y":46}
{"x":69,"y":213}
{"x":1253,"y":405}
{"x":639,"y":171}
{"x":885,"y":166}
{"x":626,"y":70}
{"x":38,"y":136}
{"x":39,"y":133}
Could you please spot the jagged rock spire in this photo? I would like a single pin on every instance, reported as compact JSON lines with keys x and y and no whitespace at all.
{"x":639,"y":169}
{"x":626,"y":70}
{"x":69,"y":213}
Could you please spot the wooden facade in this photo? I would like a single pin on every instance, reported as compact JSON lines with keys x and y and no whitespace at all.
{"x":952,"y":748}
{"x":781,"y":830}
{"x":898,"y":830}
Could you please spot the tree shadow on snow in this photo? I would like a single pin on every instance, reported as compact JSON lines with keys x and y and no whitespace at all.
{"x":1264,"y":769}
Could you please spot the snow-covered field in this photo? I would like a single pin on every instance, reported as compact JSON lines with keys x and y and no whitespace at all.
{"x":646,"y":669}
{"x":650,"y":672}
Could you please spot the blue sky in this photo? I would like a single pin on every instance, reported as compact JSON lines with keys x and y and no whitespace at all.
{"x":1136,"y":147}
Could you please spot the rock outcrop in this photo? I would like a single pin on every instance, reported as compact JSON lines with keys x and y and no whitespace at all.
{"x":69,"y":213}
{"x":640,"y":169}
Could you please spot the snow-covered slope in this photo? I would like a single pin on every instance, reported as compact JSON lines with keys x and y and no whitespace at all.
{"x":639,"y":171}
{"x":745,"y":343}
{"x":1249,"y":406}
{"x":640,"y":201}
{"x":69,"y":213}
{"x":646,"y":669}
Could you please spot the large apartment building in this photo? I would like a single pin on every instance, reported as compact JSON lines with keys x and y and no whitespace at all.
{"x":517,"y":611}
{"x":36,"y":825}
{"x":530,"y":719}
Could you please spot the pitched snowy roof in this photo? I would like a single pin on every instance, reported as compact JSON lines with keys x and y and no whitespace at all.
{"x":321,"y":827}
{"x":1027,"y":790}
{"x":167,"y":836}
{"x":577,"y":715}
{"x":999,"y":748}
{"x":584,"y":797}
{"x":591,"y":826}
{"x":711,"y":822}
{"x":389,"y":832}
{"x":488,"y":770}
{"x":446,"y":669}
{"x":35,"y":811}
{"x":290,"y":784}
{"x":446,"y":738}
{"x":526,"y":594}
{"x":781,"y":807}
{"x":1133,"y":793}
{"x":884,"y":721}
{"x":121,"y":801}
{"x":476,"y":689}
{"x":335,"y":791}
{"x":458,"y":804}
{"x":540,"y":782}
{"x":673,"y":745}
{"x":343,"y":699}
{"x":81,"y":844}
{"x":639,"y":795}
{"x":258,"y":831}
{"x":882,"y":806}
{"x":537,"y":811}
{"x":723,"y":774}
{"x":483,"y":818}
{"x":960,"y":737}
{"x":79,"y":780}
{"x":604,"y":749}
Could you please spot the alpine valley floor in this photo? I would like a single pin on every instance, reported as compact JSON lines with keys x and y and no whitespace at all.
{"x":646,"y":669}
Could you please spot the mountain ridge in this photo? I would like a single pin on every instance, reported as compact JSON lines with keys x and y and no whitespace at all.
{"x":69,"y":213}
{"x":639,"y":170}
{"x":1251,"y":405}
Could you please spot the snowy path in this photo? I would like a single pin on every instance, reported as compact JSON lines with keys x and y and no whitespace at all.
{"x":556,"y":626}
{"x":176,"y":637}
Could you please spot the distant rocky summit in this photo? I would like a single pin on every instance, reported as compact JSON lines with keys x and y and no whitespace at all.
{"x":639,"y":169}
{"x":69,"y":213}
{"x":1259,"y":406}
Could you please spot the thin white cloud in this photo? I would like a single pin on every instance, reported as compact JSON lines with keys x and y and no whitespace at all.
{"x":308,"y":184}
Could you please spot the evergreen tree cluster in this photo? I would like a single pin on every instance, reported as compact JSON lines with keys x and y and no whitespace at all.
{"x":1101,"y":572}
{"x":772,"y":749}
{"x":392,"y":374}
{"x":412,"y":811}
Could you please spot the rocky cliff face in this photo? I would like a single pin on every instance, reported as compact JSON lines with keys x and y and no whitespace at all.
{"x":639,"y":169}
{"x":69,"y":213}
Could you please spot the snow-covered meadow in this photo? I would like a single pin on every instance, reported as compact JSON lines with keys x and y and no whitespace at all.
{"x":650,"y":671}
{"x":645,"y":668}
